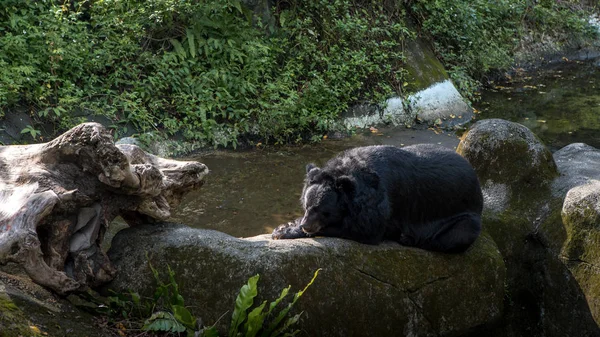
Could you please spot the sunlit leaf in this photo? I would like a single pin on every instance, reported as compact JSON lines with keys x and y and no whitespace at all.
{"x":183,"y":315}
{"x":244,"y":300}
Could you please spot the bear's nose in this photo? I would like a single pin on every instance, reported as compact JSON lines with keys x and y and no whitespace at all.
{"x":309,"y":226}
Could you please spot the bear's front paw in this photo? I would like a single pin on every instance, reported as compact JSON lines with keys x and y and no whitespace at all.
{"x":289,"y":230}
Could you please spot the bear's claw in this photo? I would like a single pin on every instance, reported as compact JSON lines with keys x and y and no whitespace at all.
{"x":290,"y":230}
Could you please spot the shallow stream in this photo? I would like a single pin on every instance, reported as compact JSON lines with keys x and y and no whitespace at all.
{"x":561,"y":104}
{"x":250,"y":192}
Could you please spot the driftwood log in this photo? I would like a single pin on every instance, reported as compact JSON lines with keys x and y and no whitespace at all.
{"x":58,"y":198}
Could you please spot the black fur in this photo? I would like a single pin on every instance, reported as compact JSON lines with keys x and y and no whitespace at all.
{"x":422,"y":195}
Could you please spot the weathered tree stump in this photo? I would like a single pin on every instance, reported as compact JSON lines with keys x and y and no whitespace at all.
{"x":58,"y":198}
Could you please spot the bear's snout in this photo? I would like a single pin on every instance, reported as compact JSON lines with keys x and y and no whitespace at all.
{"x":310,"y":224}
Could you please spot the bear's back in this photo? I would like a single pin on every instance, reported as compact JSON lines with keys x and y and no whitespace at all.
{"x":422,"y":182}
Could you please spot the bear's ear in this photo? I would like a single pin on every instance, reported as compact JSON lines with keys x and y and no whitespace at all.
{"x":346,"y":184}
{"x":311,"y":167}
{"x":313,"y":173}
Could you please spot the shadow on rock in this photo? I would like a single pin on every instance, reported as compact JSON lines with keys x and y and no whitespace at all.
{"x":524,"y":188}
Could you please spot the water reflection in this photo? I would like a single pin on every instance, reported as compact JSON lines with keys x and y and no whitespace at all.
{"x":561,"y":104}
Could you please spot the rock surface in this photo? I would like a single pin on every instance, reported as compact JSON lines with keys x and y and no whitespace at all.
{"x":522,"y":213}
{"x":439,"y":104}
{"x":579,"y":165}
{"x":362,"y":290}
{"x":507,"y":153}
{"x":27,"y":309}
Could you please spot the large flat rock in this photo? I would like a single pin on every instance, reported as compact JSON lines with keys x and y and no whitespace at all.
{"x":384,"y":290}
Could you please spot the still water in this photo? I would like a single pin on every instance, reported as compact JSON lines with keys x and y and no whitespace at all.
{"x":250,"y":192}
{"x":560,"y":104}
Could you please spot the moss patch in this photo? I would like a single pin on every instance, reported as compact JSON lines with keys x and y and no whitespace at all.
{"x":13,"y":322}
{"x":424,"y":69}
{"x":507,"y":153}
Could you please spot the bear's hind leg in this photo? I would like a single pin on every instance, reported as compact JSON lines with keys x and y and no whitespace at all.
{"x":454,"y":234}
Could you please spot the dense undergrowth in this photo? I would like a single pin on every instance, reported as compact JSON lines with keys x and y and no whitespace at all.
{"x":211,"y":71}
{"x":474,"y":38}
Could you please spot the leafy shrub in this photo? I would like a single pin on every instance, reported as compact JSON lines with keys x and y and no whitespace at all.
{"x":476,"y":36}
{"x":166,"y":312}
{"x":208,"y":70}
{"x":261,"y":320}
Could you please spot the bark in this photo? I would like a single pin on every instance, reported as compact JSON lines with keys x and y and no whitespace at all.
{"x":57,"y":200}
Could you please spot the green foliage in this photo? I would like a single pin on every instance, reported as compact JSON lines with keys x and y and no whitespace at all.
{"x":163,"y":321}
{"x":208,"y":70}
{"x":260,"y":320}
{"x":166,"y":311}
{"x":34,"y":133}
{"x":476,"y":36}
{"x":178,"y":318}
{"x":244,"y":300}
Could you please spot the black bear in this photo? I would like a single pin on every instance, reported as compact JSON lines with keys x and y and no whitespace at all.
{"x":423,"y":195}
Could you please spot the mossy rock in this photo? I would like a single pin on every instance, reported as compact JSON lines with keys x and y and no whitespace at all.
{"x":380,"y":290}
{"x":581,"y":218}
{"x":507,"y":153}
{"x":581,"y":251}
{"x":523,"y":198}
{"x":13,"y":322}
{"x":27,"y":309}
{"x":424,"y":69}
{"x":515,"y":170}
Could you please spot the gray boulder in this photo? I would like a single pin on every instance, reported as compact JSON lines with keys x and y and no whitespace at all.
{"x":579,"y":165}
{"x":515,"y":170}
{"x":364,"y":290}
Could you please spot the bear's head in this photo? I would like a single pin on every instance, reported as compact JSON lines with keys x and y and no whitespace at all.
{"x":326,"y":200}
